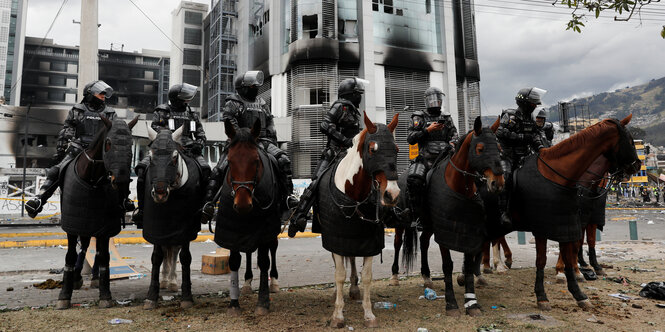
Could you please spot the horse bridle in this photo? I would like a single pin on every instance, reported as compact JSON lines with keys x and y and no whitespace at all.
{"x":244,"y":184}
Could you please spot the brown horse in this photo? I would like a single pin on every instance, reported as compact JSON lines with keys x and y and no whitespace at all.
{"x":93,"y":187}
{"x":350,"y":199}
{"x":547,"y":195}
{"x":592,"y":199}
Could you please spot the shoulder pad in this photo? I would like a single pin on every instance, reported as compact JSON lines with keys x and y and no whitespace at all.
{"x":80,"y":107}
{"x":419,"y":113}
{"x":261,"y":101}
{"x":109,"y":110}
{"x":234,"y":97}
{"x":163,"y":107}
{"x":510,"y":111}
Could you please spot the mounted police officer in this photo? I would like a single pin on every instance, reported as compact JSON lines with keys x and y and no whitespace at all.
{"x":340,"y":125}
{"x":82,"y":124}
{"x":546,"y":128}
{"x":172,"y":116}
{"x":519,"y":136}
{"x":242,"y":109}
{"x":434,"y":132}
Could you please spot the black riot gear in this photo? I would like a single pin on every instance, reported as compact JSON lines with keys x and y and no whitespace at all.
{"x":546,"y":128}
{"x":181,"y":94}
{"x":247,"y":85}
{"x":519,"y":136}
{"x":341,"y":124}
{"x":434,"y":132}
{"x":83,"y":122}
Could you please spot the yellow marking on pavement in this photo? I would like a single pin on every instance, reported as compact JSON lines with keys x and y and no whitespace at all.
{"x":623,"y":218}
{"x":634,"y":208}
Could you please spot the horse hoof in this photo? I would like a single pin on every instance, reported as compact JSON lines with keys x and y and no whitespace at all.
{"x":487,"y":270}
{"x":354,"y":293}
{"x":149,"y":304}
{"x":173,"y":287}
{"x":560,"y":278}
{"x":544,"y":305}
{"x":234,"y":312}
{"x":509,"y":263}
{"x":585,"y":304}
{"x":274,"y":286}
{"x":460,"y":280}
{"x":481,"y":281}
{"x":501,"y":270}
{"x":103,"y":304}
{"x":186,"y":304}
{"x":580,"y":278}
{"x":453,"y":313}
{"x":246,"y":290}
{"x":78,"y":284}
{"x":600,"y":272}
{"x":261,"y":311}
{"x":394,"y":280}
{"x":371,"y":323}
{"x":427,"y":282}
{"x":63,"y":304}
{"x":473,"y":312}
{"x":337,"y":323}
{"x":94,"y":283}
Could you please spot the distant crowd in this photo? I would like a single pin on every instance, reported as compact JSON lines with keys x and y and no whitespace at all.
{"x":645,"y":193}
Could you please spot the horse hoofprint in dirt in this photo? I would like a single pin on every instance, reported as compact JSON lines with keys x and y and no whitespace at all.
{"x":351,"y":195}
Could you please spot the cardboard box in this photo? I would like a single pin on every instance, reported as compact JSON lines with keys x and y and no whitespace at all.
{"x":217,"y":263}
{"x":118,"y":267}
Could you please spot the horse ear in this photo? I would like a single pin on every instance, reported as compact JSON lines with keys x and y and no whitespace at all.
{"x":625,"y":121}
{"x":132,"y":123}
{"x":229,"y":129}
{"x":256,"y":129}
{"x":393,"y":124}
{"x":152,"y":134}
{"x":177,"y":133}
{"x":371,"y":127}
{"x":495,"y":125}
{"x":106,"y":121}
{"x":477,"y":126}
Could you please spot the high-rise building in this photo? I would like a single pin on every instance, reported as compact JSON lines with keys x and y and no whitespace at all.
{"x":50,"y":76}
{"x":12,"y":34}
{"x":306,"y":47}
{"x":221,"y":59}
{"x":187,"y":50}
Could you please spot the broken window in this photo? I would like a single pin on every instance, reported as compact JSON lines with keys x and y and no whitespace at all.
{"x":310,"y":26}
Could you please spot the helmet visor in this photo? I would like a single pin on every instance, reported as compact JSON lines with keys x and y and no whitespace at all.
{"x":434,"y":100}
{"x":101,"y":88}
{"x":535,"y":95}
{"x":252,"y":78}
{"x":187,"y":92}
{"x":361,"y":84}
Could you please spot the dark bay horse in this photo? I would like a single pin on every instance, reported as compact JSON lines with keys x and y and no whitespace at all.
{"x":93,"y":187}
{"x":248,"y":217}
{"x":172,"y":217}
{"x":348,"y":208}
{"x":592,"y":198}
{"x":545,"y":194}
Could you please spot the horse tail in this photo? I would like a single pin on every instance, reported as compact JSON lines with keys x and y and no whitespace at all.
{"x":410,"y":247}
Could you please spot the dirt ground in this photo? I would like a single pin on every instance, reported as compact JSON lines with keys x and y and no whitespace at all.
{"x":508,"y":302}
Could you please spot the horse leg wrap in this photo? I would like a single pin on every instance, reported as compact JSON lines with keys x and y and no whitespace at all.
{"x":470,"y":301}
{"x":539,"y":287}
{"x":573,"y":287}
{"x":67,"y":283}
{"x":234,"y":291}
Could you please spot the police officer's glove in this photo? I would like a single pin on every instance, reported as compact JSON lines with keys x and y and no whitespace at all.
{"x":34,"y":206}
{"x":297,"y":225}
{"x":348,"y":142}
{"x":207,"y":212}
{"x":196,"y":148}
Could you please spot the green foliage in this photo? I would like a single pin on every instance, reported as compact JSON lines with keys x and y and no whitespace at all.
{"x":624,"y":10}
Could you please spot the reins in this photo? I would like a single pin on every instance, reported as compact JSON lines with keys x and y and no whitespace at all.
{"x":357,"y":204}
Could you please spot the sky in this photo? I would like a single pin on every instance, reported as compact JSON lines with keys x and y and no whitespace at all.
{"x":521,"y":43}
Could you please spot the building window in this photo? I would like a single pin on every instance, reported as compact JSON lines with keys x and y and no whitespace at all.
{"x":191,"y":76}
{"x":192,"y":57}
{"x":428,"y":6}
{"x":56,"y":96}
{"x":193,"y":36}
{"x":310,"y":26}
{"x":193,"y":18}
{"x":388,"y":6}
{"x":58,"y":80}
{"x":58,"y":66}
{"x":375,"y":5}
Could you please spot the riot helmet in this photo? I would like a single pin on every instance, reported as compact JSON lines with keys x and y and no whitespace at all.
{"x":181,"y":94}
{"x":529,"y":98}
{"x":540,"y":118}
{"x":352,"y":89}
{"x":95,"y":94}
{"x":434,"y":100}
{"x":247,"y":85}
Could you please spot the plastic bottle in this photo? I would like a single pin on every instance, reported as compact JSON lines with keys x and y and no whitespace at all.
{"x":430,"y":294}
{"x":115,"y":321}
{"x":384,"y":305}
{"x":422,"y":329}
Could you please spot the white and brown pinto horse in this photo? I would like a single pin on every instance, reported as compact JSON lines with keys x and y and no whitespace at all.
{"x":351,"y":196}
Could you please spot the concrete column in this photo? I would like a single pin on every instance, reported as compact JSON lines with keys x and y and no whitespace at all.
{"x":447,"y":33}
{"x":88,"y":66}
{"x":366,"y":69}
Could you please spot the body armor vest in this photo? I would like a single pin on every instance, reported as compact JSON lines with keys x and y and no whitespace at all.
{"x":349,"y":123}
{"x":89,"y":124}
{"x":252,"y":111}
{"x":523,"y":125}
{"x":437,"y":140}
{"x":180,"y":118}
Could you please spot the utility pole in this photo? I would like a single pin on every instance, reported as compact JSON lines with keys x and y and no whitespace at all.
{"x":25,"y":156}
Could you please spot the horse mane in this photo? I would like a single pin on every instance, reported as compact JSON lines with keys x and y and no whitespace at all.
{"x":361,"y":138}
{"x":244,"y":135}
{"x":576,"y":140}
{"x":461,"y":138}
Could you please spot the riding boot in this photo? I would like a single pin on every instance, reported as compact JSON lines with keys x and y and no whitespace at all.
{"x":302,"y":215}
{"x":35,"y":205}
{"x":504,"y":208}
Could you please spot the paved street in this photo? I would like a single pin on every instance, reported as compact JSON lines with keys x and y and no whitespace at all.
{"x":300,"y":261}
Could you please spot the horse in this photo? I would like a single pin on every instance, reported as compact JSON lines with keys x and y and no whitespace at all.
{"x":348,"y":207}
{"x":246,"y":288}
{"x":544,"y":194}
{"x":172,"y":217}
{"x":248,"y":218}
{"x":592,"y":197}
{"x":93,"y":186}
{"x":500,"y":266}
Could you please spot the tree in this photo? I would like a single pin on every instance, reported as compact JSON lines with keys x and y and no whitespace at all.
{"x":624,"y":10}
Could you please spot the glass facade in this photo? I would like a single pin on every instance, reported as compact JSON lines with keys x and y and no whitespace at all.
{"x":408,"y":24}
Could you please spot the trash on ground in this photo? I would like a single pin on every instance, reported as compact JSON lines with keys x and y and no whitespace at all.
{"x":351,"y":328}
{"x":48,"y":284}
{"x":620,"y":280}
{"x":56,"y":271}
{"x":116,"y":321}
{"x":488,"y":328}
{"x":654,"y":290}
{"x":660,"y":305}
{"x":594,"y":319}
{"x":125,"y":302}
{"x":430,"y":294}
{"x":384,"y":305}
{"x":622,"y":297}
{"x":9,"y":289}
{"x":636,"y":306}
{"x":638,"y":269}
{"x":167,"y":297}
{"x":137,"y":276}
{"x":422,"y":329}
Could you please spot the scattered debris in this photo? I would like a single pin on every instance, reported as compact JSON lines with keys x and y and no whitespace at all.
{"x":167,"y":297}
{"x":638,"y":269}
{"x":654,"y":290}
{"x":125,"y":302}
{"x":48,"y":284}
{"x":594,"y":319}
{"x":622,"y":297}
{"x":487,"y":328}
{"x":636,"y":306}
{"x":56,"y":271}
{"x":116,"y":321}
{"x":9,"y":289}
